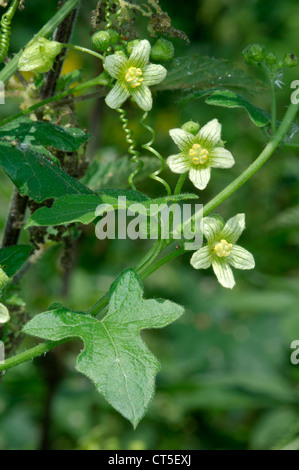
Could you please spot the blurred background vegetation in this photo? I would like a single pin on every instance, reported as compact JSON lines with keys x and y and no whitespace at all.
{"x":226,"y":380}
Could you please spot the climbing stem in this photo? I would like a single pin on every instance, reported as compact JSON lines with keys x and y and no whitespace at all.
{"x":261,"y":159}
{"x":30,"y":354}
{"x":273,"y":98}
{"x":84,"y":49}
{"x":180,"y":183}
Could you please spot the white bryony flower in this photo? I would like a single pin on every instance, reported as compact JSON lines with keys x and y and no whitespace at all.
{"x":221,"y":251}
{"x":199,"y":153}
{"x":134,"y":75}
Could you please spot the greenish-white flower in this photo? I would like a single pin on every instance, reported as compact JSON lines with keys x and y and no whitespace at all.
{"x":200,"y":153}
{"x":4,"y":314}
{"x":221,"y":250}
{"x":134,"y":76}
{"x":39,"y":56}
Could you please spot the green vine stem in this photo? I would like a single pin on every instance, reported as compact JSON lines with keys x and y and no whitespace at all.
{"x":149,"y":147}
{"x":261,"y":159}
{"x":132,"y":147}
{"x":84,"y":49}
{"x":180,"y":183}
{"x":6,"y":28}
{"x":223,"y":195}
{"x":273,"y":98}
{"x":46,"y":30}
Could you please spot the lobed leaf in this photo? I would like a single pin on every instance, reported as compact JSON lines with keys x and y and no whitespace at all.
{"x":115,"y":358}
{"x":68,"y":139}
{"x":35,"y":176}
{"x":82,"y":208}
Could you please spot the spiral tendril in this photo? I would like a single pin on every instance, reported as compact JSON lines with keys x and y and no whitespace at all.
{"x":148,"y":146}
{"x":6,"y":29}
{"x":132,"y":147}
{"x":108,"y":21}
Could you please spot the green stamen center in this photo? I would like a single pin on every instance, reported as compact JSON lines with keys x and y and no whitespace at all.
{"x":223,"y":249}
{"x":198,"y":154}
{"x":134,"y":77}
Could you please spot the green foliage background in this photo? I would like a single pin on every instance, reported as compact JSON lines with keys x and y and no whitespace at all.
{"x":226,"y":379}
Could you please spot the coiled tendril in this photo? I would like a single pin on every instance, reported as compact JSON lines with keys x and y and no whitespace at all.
{"x":148,"y":146}
{"x":108,"y":21}
{"x":132,"y":147}
{"x":6,"y":29}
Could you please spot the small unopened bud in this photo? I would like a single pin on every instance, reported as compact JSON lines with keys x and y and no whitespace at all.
{"x":192,"y":127}
{"x":114,"y":36}
{"x":39,"y":56}
{"x":290,"y":60}
{"x":271,"y":58}
{"x":101,"y":40}
{"x":254,"y":54}
{"x":131,"y":45}
{"x":162,"y":50}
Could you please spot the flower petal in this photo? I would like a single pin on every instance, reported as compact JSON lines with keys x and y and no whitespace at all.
{"x":223,"y":273}
{"x":241,"y":258}
{"x":233,"y":228}
{"x":219,"y":157}
{"x":202,"y":259}
{"x":4,"y":314}
{"x":211,"y":133}
{"x":154,"y":74}
{"x":140,"y":54}
{"x":143,"y":97}
{"x":200,"y":177}
{"x":115,"y":64}
{"x":117,"y":96}
{"x":211,"y":228}
{"x":183,"y":139}
{"x":179,"y":163}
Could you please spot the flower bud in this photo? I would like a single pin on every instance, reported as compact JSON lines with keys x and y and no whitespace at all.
{"x":114,"y":36}
{"x":4,"y":314}
{"x":290,"y":60}
{"x":271,"y":58}
{"x":162,"y":50}
{"x":192,"y":127}
{"x":101,"y":40}
{"x":131,"y":45}
{"x":39,"y":56}
{"x":120,"y":48}
{"x":254,"y":54}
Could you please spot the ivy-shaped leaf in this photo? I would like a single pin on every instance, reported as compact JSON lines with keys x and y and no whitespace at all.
{"x":229,"y":99}
{"x":115,"y":358}
{"x":190,"y":74}
{"x":68,"y":139}
{"x":13,"y":257}
{"x":35,"y":176}
{"x":69,"y":209}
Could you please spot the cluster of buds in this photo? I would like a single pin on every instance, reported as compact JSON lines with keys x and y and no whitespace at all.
{"x":255,"y":54}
